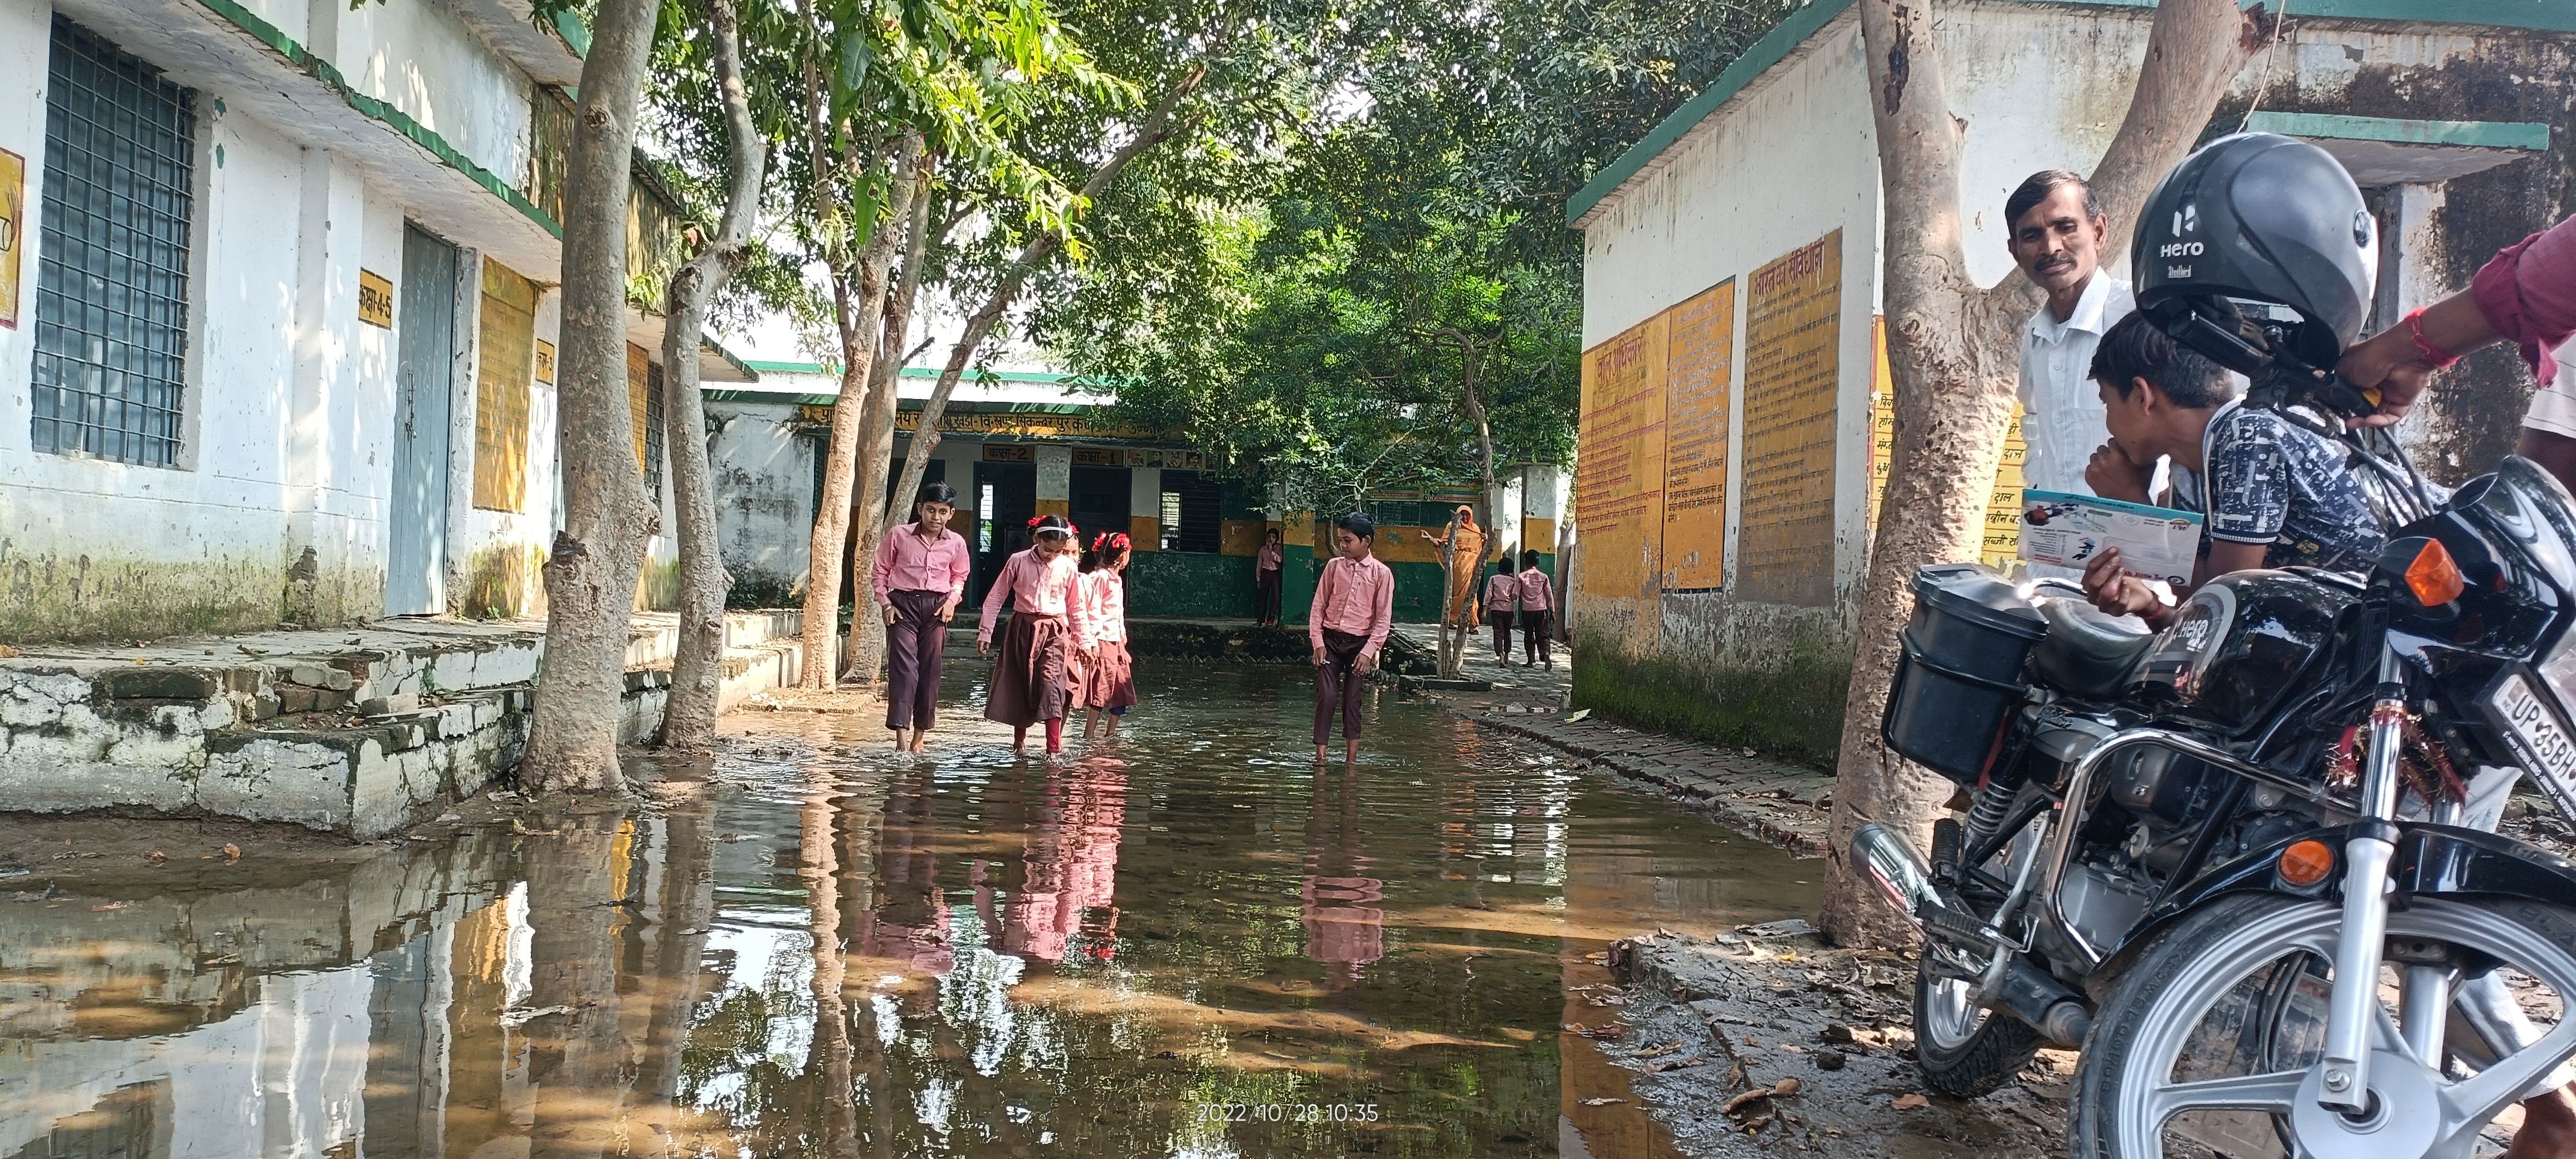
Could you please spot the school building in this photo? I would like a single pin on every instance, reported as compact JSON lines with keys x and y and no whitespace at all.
{"x":278,"y":310}
{"x":1734,"y":420}
{"x":1017,"y":444}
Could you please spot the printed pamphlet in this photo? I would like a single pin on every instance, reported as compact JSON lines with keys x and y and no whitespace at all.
{"x":2156,"y":543}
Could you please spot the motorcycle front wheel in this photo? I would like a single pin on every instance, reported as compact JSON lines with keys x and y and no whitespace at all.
{"x":2210,"y":1038}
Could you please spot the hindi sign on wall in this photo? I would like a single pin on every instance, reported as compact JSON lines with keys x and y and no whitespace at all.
{"x":13,"y":232}
{"x":375,"y":300}
{"x":2002,"y":535}
{"x":1792,"y":371}
{"x":1619,"y":463}
{"x":1699,"y":375}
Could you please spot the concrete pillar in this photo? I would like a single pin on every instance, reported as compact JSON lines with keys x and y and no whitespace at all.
{"x":1300,"y":561}
{"x":1145,"y":507}
{"x":1542,"y":509}
{"x":337,"y":443}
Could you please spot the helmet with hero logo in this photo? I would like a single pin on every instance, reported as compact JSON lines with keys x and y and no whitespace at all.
{"x":2261,"y":220}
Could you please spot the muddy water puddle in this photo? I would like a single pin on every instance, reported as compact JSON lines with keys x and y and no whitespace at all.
{"x":1190,"y":941}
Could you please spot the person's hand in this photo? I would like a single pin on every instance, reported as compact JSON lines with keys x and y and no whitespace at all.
{"x":2112,"y":476}
{"x":889,"y":614}
{"x":948,"y":610}
{"x":2389,"y":363}
{"x":1366,"y":663}
{"x":983,"y":645}
{"x":2116,"y":592}
{"x":1319,"y":655}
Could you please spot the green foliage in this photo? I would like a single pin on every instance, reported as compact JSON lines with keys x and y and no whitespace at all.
{"x":1315,"y":306}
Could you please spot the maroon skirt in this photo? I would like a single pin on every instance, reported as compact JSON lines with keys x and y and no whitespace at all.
{"x":1034,"y":674}
{"x":1109,"y":680}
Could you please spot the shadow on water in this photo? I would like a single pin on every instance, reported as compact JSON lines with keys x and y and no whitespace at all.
{"x":1189,"y":941}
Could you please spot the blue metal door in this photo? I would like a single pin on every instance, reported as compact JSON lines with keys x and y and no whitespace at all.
{"x":424,"y":380}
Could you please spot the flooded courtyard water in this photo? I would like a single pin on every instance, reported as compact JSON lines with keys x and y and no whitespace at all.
{"x":1189,"y":942}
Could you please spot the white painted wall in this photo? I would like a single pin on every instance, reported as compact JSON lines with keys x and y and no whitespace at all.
{"x":418,"y":57}
{"x":764,"y":484}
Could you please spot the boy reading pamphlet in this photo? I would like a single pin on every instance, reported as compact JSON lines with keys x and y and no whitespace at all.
{"x":2274,"y":493}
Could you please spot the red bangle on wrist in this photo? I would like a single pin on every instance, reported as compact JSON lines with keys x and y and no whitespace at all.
{"x":2434,"y":356}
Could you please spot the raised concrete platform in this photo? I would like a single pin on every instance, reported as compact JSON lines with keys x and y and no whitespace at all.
{"x":353,"y":731}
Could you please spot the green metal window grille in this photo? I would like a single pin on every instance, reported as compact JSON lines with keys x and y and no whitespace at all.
{"x":112,"y":281}
{"x":653,"y":433}
{"x":1196,"y":495}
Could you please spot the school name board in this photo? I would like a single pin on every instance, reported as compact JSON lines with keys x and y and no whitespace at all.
{"x":1658,"y":415}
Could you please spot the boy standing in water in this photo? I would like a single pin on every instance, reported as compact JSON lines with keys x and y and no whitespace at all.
{"x":920,"y":577}
{"x":1033,"y":677}
{"x":1354,"y":609}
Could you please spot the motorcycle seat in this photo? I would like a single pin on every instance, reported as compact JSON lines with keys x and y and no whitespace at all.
{"x":2087,"y":653}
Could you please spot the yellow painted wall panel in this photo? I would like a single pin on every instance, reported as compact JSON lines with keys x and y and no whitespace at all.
{"x":1619,"y":463}
{"x":1792,"y":375}
{"x":506,"y":349}
{"x":1699,"y":377}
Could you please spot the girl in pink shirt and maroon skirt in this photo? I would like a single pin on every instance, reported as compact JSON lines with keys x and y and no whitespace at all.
{"x":1036,"y":673}
{"x":1353,"y":611}
{"x":1109,"y":679}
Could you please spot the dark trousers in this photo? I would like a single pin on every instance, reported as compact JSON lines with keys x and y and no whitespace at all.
{"x":1534,"y":633}
{"x":1501,"y":622}
{"x":1337,"y":683}
{"x":1265,"y":589}
{"x":913,"y":643}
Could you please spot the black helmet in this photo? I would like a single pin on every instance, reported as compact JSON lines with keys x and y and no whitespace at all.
{"x":2257,"y":218}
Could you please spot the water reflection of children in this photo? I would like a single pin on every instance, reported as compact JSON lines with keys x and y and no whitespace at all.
{"x":1071,"y":865}
{"x":1345,"y":929}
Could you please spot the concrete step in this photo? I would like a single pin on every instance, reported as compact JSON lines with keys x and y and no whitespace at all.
{"x":355,"y":732}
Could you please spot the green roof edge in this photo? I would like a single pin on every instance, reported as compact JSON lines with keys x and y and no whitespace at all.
{"x":373,"y":109}
{"x":1797,"y":26}
{"x":575,"y":34}
{"x":912,"y":371}
{"x":2524,"y":135}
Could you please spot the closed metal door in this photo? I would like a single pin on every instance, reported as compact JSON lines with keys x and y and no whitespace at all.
{"x":424,"y":382}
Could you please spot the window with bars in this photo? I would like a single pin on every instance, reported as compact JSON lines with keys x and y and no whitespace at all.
{"x":1192,"y":501}
{"x":112,"y":282}
{"x":644,"y":398}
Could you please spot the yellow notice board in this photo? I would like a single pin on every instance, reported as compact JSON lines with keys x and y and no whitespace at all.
{"x":1619,"y":463}
{"x":1792,"y":330}
{"x":1699,"y":374}
{"x":2002,"y":537}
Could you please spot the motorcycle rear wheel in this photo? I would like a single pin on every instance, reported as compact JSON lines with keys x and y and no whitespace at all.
{"x":1965,"y":1052}
{"x":2172,"y":1010}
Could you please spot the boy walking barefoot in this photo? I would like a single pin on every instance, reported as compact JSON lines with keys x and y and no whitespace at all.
{"x":1353,"y":610}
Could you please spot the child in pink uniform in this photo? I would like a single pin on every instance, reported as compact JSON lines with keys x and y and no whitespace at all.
{"x":1538,"y":599}
{"x":1354,"y":609}
{"x":1109,"y":679}
{"x":1035,"y":674}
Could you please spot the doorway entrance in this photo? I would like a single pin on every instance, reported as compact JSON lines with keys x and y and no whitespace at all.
{"x":1006,"y":495}
{"x":1099,"y":500}
{"x":424,"y":383}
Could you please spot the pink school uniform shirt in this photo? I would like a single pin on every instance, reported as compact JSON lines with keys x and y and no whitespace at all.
{"x":1356,"y":597}
{"x":1267,"y":559}
{"x":1106,"y":592}
{"x":2528,"y":293}
{"x":1537,"y":595}
{"x":1502,"y":593}
{"x":1051,"y":588}
{"x":908,"y":563}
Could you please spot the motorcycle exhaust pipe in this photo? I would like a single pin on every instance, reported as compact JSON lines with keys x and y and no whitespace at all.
{"x":2027,"y":993}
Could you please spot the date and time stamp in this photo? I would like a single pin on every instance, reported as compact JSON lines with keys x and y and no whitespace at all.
{"x":1286,"y":1112}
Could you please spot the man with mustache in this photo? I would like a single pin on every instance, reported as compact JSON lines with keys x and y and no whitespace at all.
{"x":2058,"y":232}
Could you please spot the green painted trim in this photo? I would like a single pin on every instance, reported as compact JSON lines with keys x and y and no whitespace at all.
{"x":914,"y":372}
{"x":376,"y":110}
{"x":575,"y":34}
{"x":776,"y":367}
{"x":2535,"y":15}
{"x":736,"y":394}
{"x":2524,"y":135}
{"x":1774,"y":46}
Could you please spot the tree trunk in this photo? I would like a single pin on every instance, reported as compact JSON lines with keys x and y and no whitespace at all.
{"x":581,"y":1055}
{"x":876,"y":432}
{"x":925,"y":439}
{"x":697,"y":672}
{"x":858,"y":301}
{"x":1954,"y":357}
{"x":590,"y":575}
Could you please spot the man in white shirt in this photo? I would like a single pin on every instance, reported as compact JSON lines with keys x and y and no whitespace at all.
{"x":2058,"y":231}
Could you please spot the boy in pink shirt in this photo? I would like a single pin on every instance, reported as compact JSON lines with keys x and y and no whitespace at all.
{"x":1538,"y":599}
{"x":1354,"y":609}
{"x":919,"y":579}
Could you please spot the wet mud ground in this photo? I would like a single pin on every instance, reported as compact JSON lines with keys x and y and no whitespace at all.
{"x":1189,"y":941}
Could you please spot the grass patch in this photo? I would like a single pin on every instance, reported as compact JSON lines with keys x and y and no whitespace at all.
{"x":1793,"y":710}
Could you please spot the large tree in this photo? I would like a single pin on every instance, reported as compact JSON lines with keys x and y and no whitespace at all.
{"x":591,"y":573}
{"x":1953,"y":350}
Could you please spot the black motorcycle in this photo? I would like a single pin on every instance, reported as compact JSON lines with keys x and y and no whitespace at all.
{"x":2247,"y":864}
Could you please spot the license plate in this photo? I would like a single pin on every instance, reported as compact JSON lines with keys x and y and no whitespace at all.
{"x":2533,"y":727}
